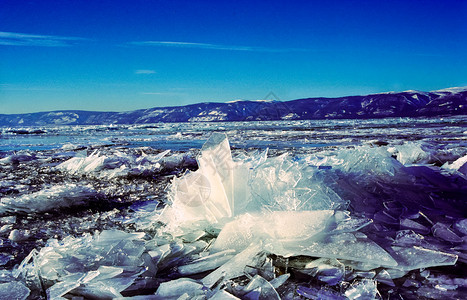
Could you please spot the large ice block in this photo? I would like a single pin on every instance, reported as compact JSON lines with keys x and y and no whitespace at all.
{"x":311,"y":233}
{"x":223,"y":188}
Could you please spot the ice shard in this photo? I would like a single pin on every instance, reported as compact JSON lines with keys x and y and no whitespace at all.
{"x":178,"y":287}
{"x":55,"y":197}
{"x":415,"y":257}
{"x":13,"y":290}
{"x":104,"y":264}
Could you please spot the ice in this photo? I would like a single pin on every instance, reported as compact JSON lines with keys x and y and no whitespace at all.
{"x":13,"y":290}
{"x":327,"y":270}
{"x":459,"y":165}
{"x":260,"y":288}
{"x":416,"y":257}
{"x":364,"y":290}
{"x":443,"y":231}
{"x":323,"y":293}
{"x":18,"y":235}
{"x":333,"y":221}
{"x":366,"y":160}
{"x":223,"y":188}
{"x":385,"y":277}
{"x":410,"y":153}
{"x":115,"y":164}
{"x":214,"y":193}
{"x":273,"y":227}
{"x":55,"y":197}
{"x":178,"y":287}
{"x":312,"y":233}
{"x":104,"y":264}
{"x":283,"y":184}
{"x":223,"y":295}
{"x":278,"y":281}
{"x":207,"y":263}
{"x":22,"y":156}
{"x":234,"y":267}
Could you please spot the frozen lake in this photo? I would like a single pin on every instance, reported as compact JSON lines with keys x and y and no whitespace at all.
{"x":343,"y":209}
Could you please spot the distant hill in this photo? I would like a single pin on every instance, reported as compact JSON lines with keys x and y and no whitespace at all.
{"x":451,"y":101}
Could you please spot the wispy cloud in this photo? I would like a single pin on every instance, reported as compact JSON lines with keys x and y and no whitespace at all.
{"x":23,"y":39}
{"x":146,"y":72}
{"x":213,"y":46}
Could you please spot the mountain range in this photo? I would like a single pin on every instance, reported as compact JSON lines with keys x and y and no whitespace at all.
{"x":451,"y":101}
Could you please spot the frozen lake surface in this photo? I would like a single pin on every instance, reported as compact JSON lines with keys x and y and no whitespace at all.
{"x":335,"y":209}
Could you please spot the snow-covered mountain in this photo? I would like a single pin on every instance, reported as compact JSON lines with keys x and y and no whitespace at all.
{"x":451,"y":101}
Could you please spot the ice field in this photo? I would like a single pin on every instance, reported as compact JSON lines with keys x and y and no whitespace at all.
{"x":332,"y":209}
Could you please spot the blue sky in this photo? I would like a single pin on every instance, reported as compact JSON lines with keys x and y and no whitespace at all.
{"x":124,"y":55}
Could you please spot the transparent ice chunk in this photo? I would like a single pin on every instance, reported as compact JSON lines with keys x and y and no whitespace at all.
{"x":13,"y":290}
{"x":234,"y":267}
{"x":58,"y":196}
{"x":116,"y":163}
{"x":223,"y":295}
{"x":327,"y":270}
{"x":273,"y":227}
{"x":410,"y":153}
{"x":289,"y":233}
{"x":207,"y":263}
{"x":260,"y":288}
{"x":459,"y":165}
{"x":411,"y":258}
{"x":278,"y":281}
{"x":104,"y":264}
{"x":175,"y":288}
{"x":223,"y":188}
{"x":364,"y":290}
{"x":367,"y":160}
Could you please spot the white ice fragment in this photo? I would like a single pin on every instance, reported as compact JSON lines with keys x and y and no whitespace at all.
{"x":362,"y":290}
{"x":385,"y":277}
{"x":292,"y":233}
{"x":283,"y":184}
{"x":13,"y":290}
{"x":275,"y":227}
{"x":234,"y":267}
{"x":18,"y":235}
{"x":327,"y":270}
{"x":98,"y":266}
{"x":65,"y":195}
{"x":17,"y":158}
{"x":175,"y":288}
{"x":367,"y":160}
{"x":278,"y":281}
{"x":207,"y":263}
{"x":113,"y":165}
{"x":410,"y":153}
{"x":260,"y":288}
{"x":459,"y":165}
{"x":411,"y":258}
{"x":223,"y":188}
{"x":223,"y":295}
{"x":5,"y":228}
{"x":97,"y":290}
{"x":59,"y":289}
